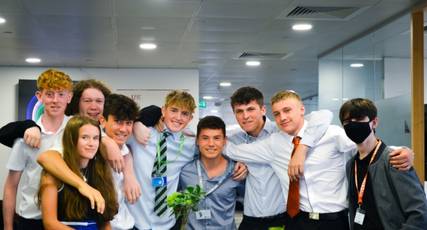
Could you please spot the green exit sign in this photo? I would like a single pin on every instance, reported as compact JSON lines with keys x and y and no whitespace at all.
{"x":202,"y":104}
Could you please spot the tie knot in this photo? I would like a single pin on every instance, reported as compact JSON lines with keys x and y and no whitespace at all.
{"x":166,"y":134}
{"x":296,"y":140}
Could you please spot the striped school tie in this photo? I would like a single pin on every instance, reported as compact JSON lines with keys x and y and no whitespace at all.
{"x":159,"y":170}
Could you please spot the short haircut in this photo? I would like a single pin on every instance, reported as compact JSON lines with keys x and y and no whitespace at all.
{"x":245,"y":95}
{"x":283,"y":95}
{"x":181,"y":99}
{"x":54,"y":79}
{"x":79,"y":87}
{"x":211,"y":122}
{"x":121,"y":107}
{"x":358,"y":108}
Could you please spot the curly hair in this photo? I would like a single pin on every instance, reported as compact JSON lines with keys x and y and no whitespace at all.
{"x":54,"y":79}
{"x":73,"y":107}
{"x":121,"y":107}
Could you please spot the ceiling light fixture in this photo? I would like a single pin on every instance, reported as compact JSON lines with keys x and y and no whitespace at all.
{"x":214,"y":111}
{"x":356,"y":65}
{"x":302,"y":27}
{"x":2,"y":20}
{"x":147,"y":46}
{"x":208,"y":97}
{"x":33,"y":60}
{"x":225,"y":84}
{"x":253,"y":63}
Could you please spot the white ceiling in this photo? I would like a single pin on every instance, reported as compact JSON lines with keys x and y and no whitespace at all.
{"x":208,"y":35}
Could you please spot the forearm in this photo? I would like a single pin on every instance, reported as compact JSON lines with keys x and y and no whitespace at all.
{"x":9,"y":199}
{"x":53,"y":163}
{"x":55,"y":225}
{"x":128,"y":169}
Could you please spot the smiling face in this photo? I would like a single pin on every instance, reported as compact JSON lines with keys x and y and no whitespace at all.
{"x":54,"y":101}
{"x":250,"y":117}
{"x":88,"y":143}
{"x":211,"y":142}
{"x":176,"y":118}
{"x":91,"y":103}
{"x":118,"y":130}
{"x":289,"y":115}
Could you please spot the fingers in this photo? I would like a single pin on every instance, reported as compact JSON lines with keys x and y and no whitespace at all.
{"x":295,"y":171}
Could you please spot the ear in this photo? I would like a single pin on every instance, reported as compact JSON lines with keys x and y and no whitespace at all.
{"x":302,"y":109}
{"x":102,"y":121}
{"x":39,"y":95}
{"x":263,"y":110}
{"x":163,"y":111}
{"x":375,"y":122}
{"x":70,"y":96}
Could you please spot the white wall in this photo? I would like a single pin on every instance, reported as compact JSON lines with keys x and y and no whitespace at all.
{"x":139,"y":79}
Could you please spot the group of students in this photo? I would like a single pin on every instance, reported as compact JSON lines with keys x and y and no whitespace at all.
{"x":89,"y":172}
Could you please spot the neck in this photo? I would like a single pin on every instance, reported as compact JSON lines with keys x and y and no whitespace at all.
{"x":367,"y":146}
{"x":214,"y":166}
{"x":52,"y":123}
{"x":84,"y":163}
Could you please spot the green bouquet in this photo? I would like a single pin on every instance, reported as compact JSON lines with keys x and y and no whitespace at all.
{"x":183,"y":202}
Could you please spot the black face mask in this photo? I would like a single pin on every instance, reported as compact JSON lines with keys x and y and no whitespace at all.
{"x":357,"y":131}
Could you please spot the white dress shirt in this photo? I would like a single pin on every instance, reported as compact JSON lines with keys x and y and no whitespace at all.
{"x":24,"y":158}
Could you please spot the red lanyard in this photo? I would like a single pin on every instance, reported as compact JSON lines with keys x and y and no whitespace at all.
{"x":363,"y":185}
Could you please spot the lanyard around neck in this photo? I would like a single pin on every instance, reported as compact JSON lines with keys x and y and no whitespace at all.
{"x":181,"y":147}
{"x":361,"y":192}
{"x":199,"y":174}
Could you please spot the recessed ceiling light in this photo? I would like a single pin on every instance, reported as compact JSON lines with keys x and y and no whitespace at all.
{"x":225,"y":84}
{"x":208,"y":97}
{"x":33,"y":60}
{"x":335,"y":99}
{"x":147,"y":46}
{"x":2,"y":20}
{"x":253,"y":63}
{"x":214,"y":111}
{"x":356,"y":65}
{"x":302,"y":27}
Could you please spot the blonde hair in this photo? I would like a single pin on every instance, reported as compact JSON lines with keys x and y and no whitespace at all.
{"x":181,"y":99}
{"x":284,"y":94}
{"x":54,"y":79}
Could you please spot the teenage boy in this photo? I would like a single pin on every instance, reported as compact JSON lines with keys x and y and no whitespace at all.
{"x":54,"y":92}
{"x":117,"y":122}
{"x":320,"y":202}
{"x":380,"y":197}
{"x":264,"y":204}
{"x":213,"y":173}
{"x":158,"y":163}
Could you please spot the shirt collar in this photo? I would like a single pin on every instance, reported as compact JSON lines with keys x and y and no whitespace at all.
{"x":302,"y":130}
{"x":43,"y":129}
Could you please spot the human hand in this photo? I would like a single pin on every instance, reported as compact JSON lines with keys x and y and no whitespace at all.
{"x":141,"y":132}
{"x":402,"y":159}
{"x":296,"y":164}
{"x":240,"y":171}
{"x":94,"y":196}
{"x":32,"y":137}
{"x":131,"y":189}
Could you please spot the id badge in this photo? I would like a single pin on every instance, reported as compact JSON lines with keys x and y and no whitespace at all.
{"x":158,"y":181}
{"x":203,"y":214}
{"x":360,"y":216}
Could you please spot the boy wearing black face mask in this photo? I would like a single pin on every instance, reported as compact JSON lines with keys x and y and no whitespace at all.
{"x":380,"y":197}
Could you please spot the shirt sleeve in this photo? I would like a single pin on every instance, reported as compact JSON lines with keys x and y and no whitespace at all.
{"x":10,"y":132}
{"x":411,"y":197}
{"x":256,"y":152}
{"x":18,"y":157}
{"x":317,"y":124}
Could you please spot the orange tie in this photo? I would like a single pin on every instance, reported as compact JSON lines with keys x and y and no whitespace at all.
{"x":293,"y":195}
